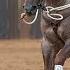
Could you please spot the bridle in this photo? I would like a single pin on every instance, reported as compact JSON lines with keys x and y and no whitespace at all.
{"x":46,"y":10}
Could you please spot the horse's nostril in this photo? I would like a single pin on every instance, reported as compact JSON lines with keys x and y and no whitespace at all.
{"x":28,"y":11}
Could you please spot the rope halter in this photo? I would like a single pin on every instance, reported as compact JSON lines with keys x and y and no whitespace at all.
{"x":47,"y":11}
{"x":36,"y":15}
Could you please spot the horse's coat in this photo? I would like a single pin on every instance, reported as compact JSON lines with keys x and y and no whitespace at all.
{"x":56,"y":35}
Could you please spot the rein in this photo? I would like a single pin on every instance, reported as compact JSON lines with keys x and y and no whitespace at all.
{"x":47,"y":10}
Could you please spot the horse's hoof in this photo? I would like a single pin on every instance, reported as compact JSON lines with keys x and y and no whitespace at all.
{"x":58,"y":67}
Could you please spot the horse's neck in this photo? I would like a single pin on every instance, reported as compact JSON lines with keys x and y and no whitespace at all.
{"x":55,"y":3}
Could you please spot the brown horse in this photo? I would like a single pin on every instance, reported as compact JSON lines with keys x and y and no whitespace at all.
{"x":56,"y":34}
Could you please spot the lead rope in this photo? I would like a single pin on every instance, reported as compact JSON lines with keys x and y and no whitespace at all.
{"x":23,"y":14}
{"x":56,"y":9}
{"x":48,"y":10}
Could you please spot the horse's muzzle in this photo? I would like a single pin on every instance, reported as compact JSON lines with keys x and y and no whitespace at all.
{"x":30,"y":10}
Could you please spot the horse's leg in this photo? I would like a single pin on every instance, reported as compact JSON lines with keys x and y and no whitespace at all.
{"x":64,"y":32}
{"x":63,"y":54}
{"x":48,"y":55}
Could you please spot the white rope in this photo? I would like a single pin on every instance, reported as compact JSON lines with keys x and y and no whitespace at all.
{"x":61,"y":7}
{"x":50,"y":9}
{"x":22,"y":15}
{"x":58,"y":15}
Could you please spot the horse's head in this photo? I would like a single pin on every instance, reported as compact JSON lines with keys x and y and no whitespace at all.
{"x":30,"y":6}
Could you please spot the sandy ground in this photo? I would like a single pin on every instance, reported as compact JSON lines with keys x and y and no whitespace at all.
{"x":22,"y":55}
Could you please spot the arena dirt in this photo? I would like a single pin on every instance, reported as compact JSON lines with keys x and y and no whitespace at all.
{"x":22,"y":55}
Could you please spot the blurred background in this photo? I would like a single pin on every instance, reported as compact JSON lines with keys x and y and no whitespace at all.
{"x":20,"y":47}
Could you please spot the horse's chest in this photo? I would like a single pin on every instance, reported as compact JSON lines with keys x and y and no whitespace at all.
{"x":51,"y":34}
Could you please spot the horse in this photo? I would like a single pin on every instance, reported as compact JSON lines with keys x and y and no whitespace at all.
{"x":55,"y":33}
